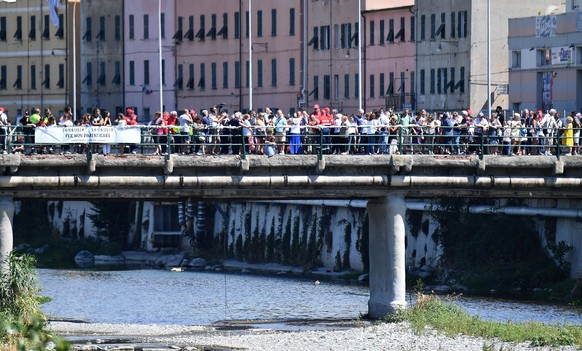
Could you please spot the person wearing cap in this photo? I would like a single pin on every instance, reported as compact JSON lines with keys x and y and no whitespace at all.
{"x":4,"y":123}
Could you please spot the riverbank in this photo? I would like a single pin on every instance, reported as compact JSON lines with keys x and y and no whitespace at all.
{"x":322,"y":336}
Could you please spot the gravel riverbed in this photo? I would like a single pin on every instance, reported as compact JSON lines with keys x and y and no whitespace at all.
{"x":278,"y":336}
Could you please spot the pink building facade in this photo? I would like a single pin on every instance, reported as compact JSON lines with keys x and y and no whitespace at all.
{"x":143,"y":84}
{"x":213,"y":65}
{"x":389,"y":54}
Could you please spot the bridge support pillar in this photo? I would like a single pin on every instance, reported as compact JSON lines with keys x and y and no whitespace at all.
{"x":387,"y":255}
{"x":6,"y":239}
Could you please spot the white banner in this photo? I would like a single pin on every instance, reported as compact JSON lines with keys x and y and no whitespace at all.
{"x":86,"y":135}
{"x":562,"y":56}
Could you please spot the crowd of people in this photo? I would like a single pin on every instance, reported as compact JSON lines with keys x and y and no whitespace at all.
{"x":320,"y":130}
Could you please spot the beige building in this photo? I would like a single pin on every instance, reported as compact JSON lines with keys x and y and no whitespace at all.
{"x":452,"y":51}
{"x":36,"y":56}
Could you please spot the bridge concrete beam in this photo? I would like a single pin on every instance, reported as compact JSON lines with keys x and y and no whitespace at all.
{"x":387,"y":255}
{"x":6,"y":236}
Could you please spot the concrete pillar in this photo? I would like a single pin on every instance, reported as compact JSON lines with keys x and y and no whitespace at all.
{"x":6,"y":215}
{"x":387,"y":255}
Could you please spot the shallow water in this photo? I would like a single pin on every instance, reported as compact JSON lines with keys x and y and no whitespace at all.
{"x":202,"y":298}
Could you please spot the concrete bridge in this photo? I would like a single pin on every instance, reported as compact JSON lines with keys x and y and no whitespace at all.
{"x":384,"y":180}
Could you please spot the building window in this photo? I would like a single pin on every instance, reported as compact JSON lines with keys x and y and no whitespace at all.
{"x":382,"y":37}
{"x":2,"y":77}
{"x":33,"y":76}
{"x":146,"y":72}
{"x":422,"y":82}
{"x":247,"y":24}
{"x":402,"y":89}
{"x":224,"y":30}
{"x":190,"y":84}
{"x":432,"y":81}
{"x":451,"y":82}
{"x":372,"y":86}
{"x":190,"y":33}
{"x":390,"y":91}
{"x":314,"y":41}
{"x":61,"y":82}
{"x":131,"y":27}
{"x":324,"y":37}
{"x":237,"y":74}
{"x":326,"y":87}
{"x":412,"y":82}
{"x":237,"y":25}
{"x":390,"y":37}
{"x":101,"y":34}
{"x":212,"y":31}
{"x":131,"y":72}
{"x":213,"y":75}
{"x":315,"y":91}
{"x":179,"y":83}
{"x":47,"y":77}
{"x":260,"y":73}
{"x":516,"y":59}
{"x":372,"y":33}
{"x":402,"y":32}
{"x":462,"y":24}
{"x":202,"y":80}
{"x":292,"y":71}
{"x":346,"y":86}
{"x":3,"y":28}
{"x":202,"y":31}
{"x":381,"y":84}
{"x":440,"y":32}
{"x":45,"y":31}
{"x":422,"y":27}
{"x":18,"y":83}
{"x":146,"y":26}
{"x":247,"y":74}
{"x":117,"y":77}
{"x":412,"y":28}
{"x":453,"y":25}
{"x":178,"y":35}
{"x":225,"y":75}
{"x":292,"y":22}
{"x":101,"y":78}
{"x":336,"y":35}
{"x":274,"y":72}
{"x":32,"y":32}
{"x":118,"y":28}
{"x":545,"y":57}
{"x":432,"y":26}
{"x":357,"y":85}
{"x":163,"y":25}
{"x":163,"y":72}
{"x":60,"y":31}
{"x":18,"y":33}
{"x":336,"y":93}
{"x":259,"y":23}
{"x":461,"y":84}
{"x":88,"y":80}
{"x":274,"y":22}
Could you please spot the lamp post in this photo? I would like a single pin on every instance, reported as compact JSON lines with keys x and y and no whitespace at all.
{"x":250,"y":58}
{"x":160,"y":55}
{"x":489,"y":59}
{"x":74,"y":60}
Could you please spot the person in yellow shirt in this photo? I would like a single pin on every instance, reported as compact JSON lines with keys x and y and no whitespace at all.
{"x":568,"y":135}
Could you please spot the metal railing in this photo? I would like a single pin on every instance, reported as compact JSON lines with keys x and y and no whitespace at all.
{"x":318,"y":140}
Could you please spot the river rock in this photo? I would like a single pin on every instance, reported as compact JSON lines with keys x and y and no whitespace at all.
{"x":85,"y":259}
{"x":198,"y":262}
{"x":109,"y":260}
{"x":170,"y":260}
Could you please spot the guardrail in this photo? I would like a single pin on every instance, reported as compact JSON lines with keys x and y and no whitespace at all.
{"x":269,"y":140}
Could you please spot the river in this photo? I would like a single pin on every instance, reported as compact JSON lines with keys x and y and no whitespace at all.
{"x":202,"y":298}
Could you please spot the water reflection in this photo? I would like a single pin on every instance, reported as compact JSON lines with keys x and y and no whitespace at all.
{"x":201,"y":298}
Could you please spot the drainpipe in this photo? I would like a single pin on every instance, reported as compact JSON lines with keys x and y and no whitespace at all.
{"x":428,"y":206}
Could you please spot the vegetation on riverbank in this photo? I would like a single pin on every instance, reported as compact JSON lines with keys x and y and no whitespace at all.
{"x":22,"y":323}
{"x":450,"y":319}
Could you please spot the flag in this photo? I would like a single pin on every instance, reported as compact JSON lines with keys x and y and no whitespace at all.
{"x":52,"y":4}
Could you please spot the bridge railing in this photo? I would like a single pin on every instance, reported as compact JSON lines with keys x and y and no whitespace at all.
{"x":270,"y":140}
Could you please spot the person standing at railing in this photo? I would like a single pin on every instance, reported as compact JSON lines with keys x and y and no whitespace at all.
{"x":295,"y":135}
{"x":515,"y":126}
{"x":280,"y":131}
{"x":429,"y":132}
{"x":404,"y":121}
{"x":183,"y":138}
{"x":106,"y":123}
{"x":449,"y":124}
{"x":576,"y":123}
{"x":568,"y":135}
{"x":4,"y":123}
{"x":494,"y":132}
{"x":66,"y":121}
{"x":247,"y":134}
{"x":160,"y":132}
{"x":236,"y":132}
{"x":352,"y":135}
{"x":383,"y":123}
{"x":325,"y":121}
{"x":549,"y":125}
{"x":131,"y":120}
{"x":260,"y":132}
{"x":213,"y":134}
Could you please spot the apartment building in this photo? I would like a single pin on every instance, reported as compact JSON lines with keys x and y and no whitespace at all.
{"x":36,"y":56}
{"x":101,"y":44}
{"x":451,"y":51}
{"x":219,"y":44}
{"x":389,"y":53}
{"x":149,"y":87}
{"x":545,"y":60}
